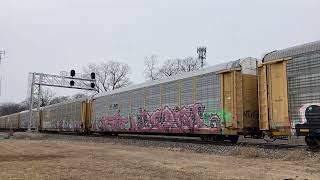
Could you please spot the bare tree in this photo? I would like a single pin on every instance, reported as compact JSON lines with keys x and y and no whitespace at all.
{"x":151,"y":70}
{"x":78,"y":96}
{"x":170,"y":67}
{"x":173,"y":67}
{"x":190,"y":64}
{"x":46,"y":97}
{"x":101,"y":71}
{"x":59,"y":99}
{"x":110,"y":76}
{"x":118,"y":73}
{"x":10,"y":108}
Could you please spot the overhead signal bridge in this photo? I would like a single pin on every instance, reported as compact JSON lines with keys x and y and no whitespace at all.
{"x":37,"y":80}
{"x":63,"y":81}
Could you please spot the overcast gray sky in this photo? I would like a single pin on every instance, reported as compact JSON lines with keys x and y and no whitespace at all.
{"x":52,"y":36}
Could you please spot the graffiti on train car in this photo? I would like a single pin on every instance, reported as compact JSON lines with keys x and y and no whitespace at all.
{"x":251,"y":114}
{"x":113,"y":122}
{"x":164,"y":119}
{"x":62,"y":124}
{"x":309,"y":111}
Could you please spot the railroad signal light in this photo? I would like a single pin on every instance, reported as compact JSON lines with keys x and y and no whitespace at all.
{"x":71,"y":83}
{"x":72,"y":73}
{"x":93,"y":75}
{"x":92,"y":85}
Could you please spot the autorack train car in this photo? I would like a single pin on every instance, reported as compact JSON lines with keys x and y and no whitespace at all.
{"x":67,"y":116}
{"x":289,"y":93}
{"x":10,"y":121}
{"x":24,"y":119}
{"x":218,"y":103}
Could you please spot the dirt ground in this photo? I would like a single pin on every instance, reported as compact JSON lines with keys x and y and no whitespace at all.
{"x":70,"y":159}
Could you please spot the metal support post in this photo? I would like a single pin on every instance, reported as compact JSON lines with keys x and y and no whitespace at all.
{"x":39,"y":102}
{"x":31,"y":103}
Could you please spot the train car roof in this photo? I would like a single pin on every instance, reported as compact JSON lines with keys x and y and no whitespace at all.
{"x":26,"y":111}
{"x":8,"y":115}
{"x":67,"y":102}
{"x":292,"y":51}
{"x":215,"y":68}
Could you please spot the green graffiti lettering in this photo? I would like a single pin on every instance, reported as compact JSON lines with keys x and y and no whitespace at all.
{"x":216,"y":115}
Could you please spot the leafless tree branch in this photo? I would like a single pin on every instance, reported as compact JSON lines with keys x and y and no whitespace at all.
{"x":151,"y":70}
{"x":109,"y":76}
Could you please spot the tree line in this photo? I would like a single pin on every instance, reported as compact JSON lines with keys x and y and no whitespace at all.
{"x":110,"y":75}
{"x":47,"y":98}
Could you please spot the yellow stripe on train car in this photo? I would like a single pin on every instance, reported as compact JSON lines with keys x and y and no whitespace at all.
{"x":304,"y":130}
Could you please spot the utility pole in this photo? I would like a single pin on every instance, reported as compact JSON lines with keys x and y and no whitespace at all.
{"x":2,"y":56}
{"x":202,"y":54}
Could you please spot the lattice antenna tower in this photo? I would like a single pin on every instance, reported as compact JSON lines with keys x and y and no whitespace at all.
{"x":202,"y":54}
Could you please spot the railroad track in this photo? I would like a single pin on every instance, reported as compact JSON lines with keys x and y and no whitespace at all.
{"x":175,"y":141}
{"x":192,"y":140}
{"x":197,"y":140}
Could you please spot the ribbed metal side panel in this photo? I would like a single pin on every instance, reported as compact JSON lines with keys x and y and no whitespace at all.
{"x":131,"y":102}
{"x":3,"y":121}
{"x":186,"y":91}
{"x":208,"y":91}
{"x":124,"y":104}
{"x":303,"y":85}
{"x":13,"y":121}
{"x":24,"y":119}
{"x":137,"y":100}
{"x":64,"y":116}
{"x":100,"y":108}
{"x":170,"y":94}
{"x":152,"y":99}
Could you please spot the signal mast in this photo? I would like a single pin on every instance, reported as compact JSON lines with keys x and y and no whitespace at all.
{"x":38,"y":80}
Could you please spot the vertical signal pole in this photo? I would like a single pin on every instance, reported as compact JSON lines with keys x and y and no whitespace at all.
{"x":31,"y":102}
{"x":40,"y":79}
{"x":39,"y":102}
{"x":202,"y":54}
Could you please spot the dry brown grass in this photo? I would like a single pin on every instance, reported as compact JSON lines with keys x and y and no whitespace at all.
{"x":246,"y":153}
{"x":296,"y":155}
{"x":52,"y":159}
{"x":29,"y":136}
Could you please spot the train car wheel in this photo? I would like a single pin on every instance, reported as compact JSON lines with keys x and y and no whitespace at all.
{"x":233,"y":139}
{"x":312,"y":142}
{"x":219,"y":138}
{"x":204,"y":138}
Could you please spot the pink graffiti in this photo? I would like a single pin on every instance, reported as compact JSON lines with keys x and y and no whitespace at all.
{"x":164,"y":119}
{"x":115,"y":122}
